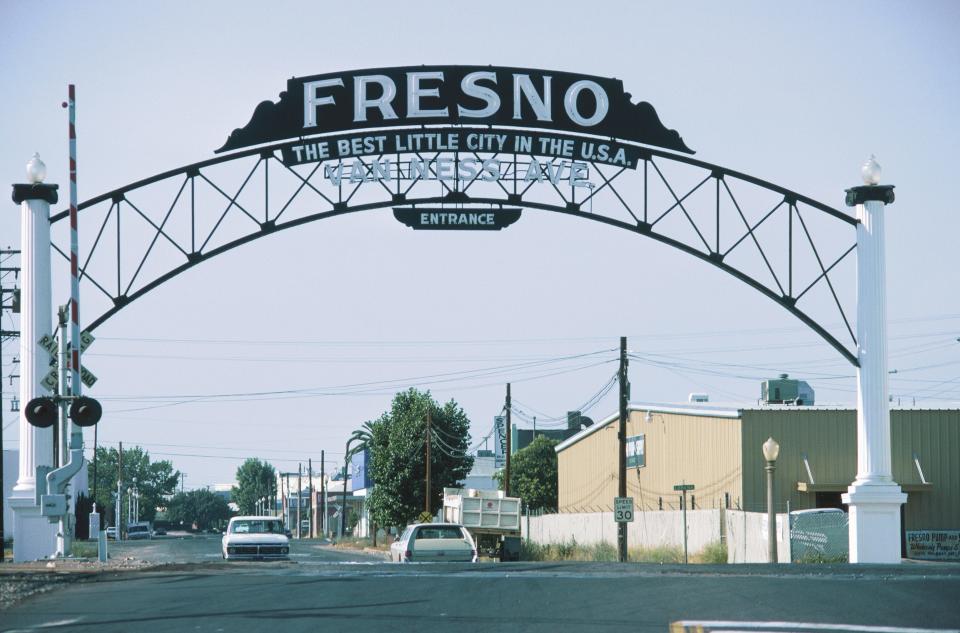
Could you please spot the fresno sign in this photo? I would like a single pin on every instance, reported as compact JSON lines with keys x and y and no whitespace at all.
{"x":455,"y":95}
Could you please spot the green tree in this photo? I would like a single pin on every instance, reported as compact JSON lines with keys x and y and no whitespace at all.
{"x":533,"y":475}
{"x":200,"y":508}
{"x":156,"y":481}
{"x":255,"y":480}
{"x":398,"y":455}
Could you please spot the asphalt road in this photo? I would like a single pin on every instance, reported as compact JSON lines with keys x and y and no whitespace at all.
{"x":344,"y":592}
{"x":185,"y":548}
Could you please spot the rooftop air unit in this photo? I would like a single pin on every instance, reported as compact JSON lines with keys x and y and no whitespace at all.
{"x":577,"y":421}
{"x":786,"y":390}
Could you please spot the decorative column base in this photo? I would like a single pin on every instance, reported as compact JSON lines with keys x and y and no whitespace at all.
{"x":874,"y":522}
{"x":34,"y":537}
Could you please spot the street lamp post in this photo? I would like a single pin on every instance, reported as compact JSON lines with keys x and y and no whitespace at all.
{"x":771,"y":450}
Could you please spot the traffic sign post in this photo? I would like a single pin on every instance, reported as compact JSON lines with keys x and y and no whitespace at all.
{"x":683,"y":488}
{"x":623,"y":509}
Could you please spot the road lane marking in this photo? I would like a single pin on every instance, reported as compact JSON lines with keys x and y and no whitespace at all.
{"x":46,"y":625}
{"x":733,"y":626}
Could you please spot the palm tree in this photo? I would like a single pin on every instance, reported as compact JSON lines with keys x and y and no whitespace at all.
{"x":364,"y":438}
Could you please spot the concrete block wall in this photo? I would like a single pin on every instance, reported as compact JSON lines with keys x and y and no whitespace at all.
{"x":747,"y":537}
{"x":649,"y":529}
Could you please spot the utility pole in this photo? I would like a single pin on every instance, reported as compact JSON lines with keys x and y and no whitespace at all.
{"x":118,"y":520}
{"x":4,"y":335}
{"x":299,"y":495}
{"x":622,"y":450}
{"x":323,"y":495}
{"x":95,"y":463}
{"x":312,"y":495}
{"x":289,"y":509}
{"x":427,"y":495}
{"x":506,"y":485}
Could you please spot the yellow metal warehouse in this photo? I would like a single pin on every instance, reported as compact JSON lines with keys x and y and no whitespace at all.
{"x":718,"y":450}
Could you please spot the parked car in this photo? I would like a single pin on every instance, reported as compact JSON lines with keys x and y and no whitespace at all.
{"x":255,"y":537}
{"x":112,"y":532}
{"x":159,"y":532}
{"x":434,"y":542}
{"x":139,"y":531}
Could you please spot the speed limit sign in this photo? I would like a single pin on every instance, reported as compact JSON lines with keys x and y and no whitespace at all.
{"x":623,"y":509}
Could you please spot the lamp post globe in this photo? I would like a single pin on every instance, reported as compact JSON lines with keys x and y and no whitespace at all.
{"x":771,"y":450}
{"x":36,"y":170}
{"x":870,"y":171}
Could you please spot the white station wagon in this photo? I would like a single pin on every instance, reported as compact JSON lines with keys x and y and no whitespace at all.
{"x":434,"y":542}
{"x":255,"y":537}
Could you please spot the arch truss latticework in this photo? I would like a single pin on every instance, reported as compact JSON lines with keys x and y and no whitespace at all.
{"x":794,"y":250}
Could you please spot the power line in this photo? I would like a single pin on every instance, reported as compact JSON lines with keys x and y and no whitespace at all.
{"x":711,"y":334}
{"x":464,"y":374}
{"x":295,"y":394}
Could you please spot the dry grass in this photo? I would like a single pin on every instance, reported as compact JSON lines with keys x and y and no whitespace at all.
{"x":714,"y":553}
{"x":84,"y":549}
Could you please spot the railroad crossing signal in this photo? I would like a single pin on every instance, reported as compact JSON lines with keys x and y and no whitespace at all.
{"x":84,"y":411}
{"x":41,"y":412}
{"x":623,"y":509}
{"x":50,"y":344}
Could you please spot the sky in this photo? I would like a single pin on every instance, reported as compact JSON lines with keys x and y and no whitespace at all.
{"x":281,"y":348}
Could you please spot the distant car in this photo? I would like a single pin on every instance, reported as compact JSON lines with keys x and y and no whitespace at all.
{"x":139,"y":531}
{"x":159,"y":532}
{"x":816,"y":511}
{"x":255,"y":537}
{"x":434,"y":542}
{"x":112,"y":532}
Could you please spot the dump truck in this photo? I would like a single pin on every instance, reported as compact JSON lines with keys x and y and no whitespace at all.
{"x":486,"y":513}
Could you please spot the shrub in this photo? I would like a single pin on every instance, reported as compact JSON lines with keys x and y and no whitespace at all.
{"x":822,"y":559}
{"x":714,"y":553}
{"x":84,"y":549}
{"x":660,"y":554}
{"x":604,"y":552}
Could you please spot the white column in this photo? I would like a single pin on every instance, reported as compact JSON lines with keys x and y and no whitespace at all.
{"x":34,"y":536}
{"x":874,"y":498}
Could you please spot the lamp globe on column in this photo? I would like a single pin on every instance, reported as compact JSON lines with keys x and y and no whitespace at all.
{"x":771,"y":450}
{"x":870,"y":171}
{"x":36,"y":170}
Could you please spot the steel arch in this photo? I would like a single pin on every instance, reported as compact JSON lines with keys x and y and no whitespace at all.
{"x":642,"y":219}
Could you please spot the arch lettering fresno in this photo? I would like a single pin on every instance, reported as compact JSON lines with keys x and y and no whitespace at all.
{"x":455,"y":95}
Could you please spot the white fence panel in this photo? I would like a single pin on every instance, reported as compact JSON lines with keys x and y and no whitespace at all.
{"x":649,"y":529}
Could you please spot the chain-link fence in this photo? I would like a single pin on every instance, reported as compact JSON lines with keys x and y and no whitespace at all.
{"x":819,"y":536}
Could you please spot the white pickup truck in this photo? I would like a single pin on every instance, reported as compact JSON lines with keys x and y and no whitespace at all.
{"x":486,"y":512}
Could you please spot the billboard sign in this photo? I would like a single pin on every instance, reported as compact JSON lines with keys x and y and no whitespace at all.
{"x":359,"y":473}
{"x":933,"y":544}
{"x":636,"y":451}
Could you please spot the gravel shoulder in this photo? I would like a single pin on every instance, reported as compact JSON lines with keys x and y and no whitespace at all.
{"x":22,"y":580}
